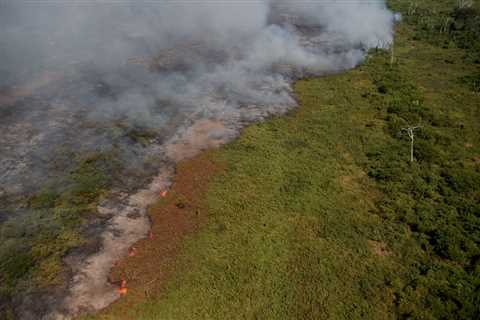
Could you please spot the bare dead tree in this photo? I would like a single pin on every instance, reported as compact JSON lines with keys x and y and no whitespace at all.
{"x":412,"y":10}
{"x":392,"y":52}
{"x":411,"y":134}
{"x":446,"y":25}
{"x":387,"y":46}
{"x":462,"y":4}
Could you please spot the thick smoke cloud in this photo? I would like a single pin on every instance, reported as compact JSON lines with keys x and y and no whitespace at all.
{"x":163,"y":64}
{"x":240,"y":41}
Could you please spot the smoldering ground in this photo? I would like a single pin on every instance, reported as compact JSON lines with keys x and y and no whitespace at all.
{"x":149,"y":82}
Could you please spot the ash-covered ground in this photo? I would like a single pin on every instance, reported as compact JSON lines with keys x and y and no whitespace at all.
{"x":98,"y":100}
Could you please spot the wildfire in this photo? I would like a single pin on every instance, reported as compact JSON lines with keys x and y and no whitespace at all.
{"x":150,"y":235}
{"x":132,"y":251}
{"x":163,"y":193}
{"x":123,"y":288}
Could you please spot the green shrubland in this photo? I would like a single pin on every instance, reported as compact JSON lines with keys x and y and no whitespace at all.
{"x":50,"y":224}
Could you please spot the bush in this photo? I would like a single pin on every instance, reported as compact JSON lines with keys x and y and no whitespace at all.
{"x":472,"y":81}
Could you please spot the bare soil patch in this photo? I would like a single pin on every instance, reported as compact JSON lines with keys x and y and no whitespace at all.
{"x":378,"y":248}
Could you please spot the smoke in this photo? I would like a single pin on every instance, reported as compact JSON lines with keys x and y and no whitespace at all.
{"x":162,"y":65}
{"x":226,"y":46}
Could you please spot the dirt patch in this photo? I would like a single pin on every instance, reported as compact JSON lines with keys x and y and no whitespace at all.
{"x":475,"y":160}
{"x":177,"y":215}
{"x":346,"y":181}
{"x":354,"y":180}
{"x":378,"y":248}
{"x":203,"y":134}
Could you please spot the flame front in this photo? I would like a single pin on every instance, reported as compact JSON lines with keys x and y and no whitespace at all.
{"x":122,"y":291}
{"x":123,"y":288}
{"x":132,"y":252}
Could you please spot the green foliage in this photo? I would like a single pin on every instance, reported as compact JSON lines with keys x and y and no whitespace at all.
{"x":43,"y":200}
{"x":443,"y":24}
{"x":142,"y":136}
{"x":425,"y":190}
{"x":33,"y":244}
{"x":437,"y":196}
{"x":14,"y":265}
{"x":472,"y":81}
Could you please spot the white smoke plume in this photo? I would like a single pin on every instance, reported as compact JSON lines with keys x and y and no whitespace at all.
{"x":163,"y":64}
{"x":228,"y":45}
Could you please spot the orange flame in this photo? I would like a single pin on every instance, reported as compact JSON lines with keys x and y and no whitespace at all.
{"x":122,"y":291}
{"x":163,"y":193}
{"x":123,"y":288}
{"x":150,"y":235}
{"x":132,"y":251}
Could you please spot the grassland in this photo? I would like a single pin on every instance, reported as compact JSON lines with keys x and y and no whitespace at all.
{"x":50,"y":224}
{"x":321,"y":215}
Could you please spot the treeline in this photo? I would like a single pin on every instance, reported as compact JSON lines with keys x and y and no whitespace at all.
{"x":437,"y":197}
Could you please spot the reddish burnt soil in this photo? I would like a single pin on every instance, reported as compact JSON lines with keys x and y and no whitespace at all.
{"x":177,"y":215}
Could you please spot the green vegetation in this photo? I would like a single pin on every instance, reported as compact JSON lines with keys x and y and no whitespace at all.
{"x":33,"y":244}
{"x":321,"y":215}
{"x":140,"y":135}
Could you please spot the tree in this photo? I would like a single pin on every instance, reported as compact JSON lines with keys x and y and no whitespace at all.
{"x":411,"y":134}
